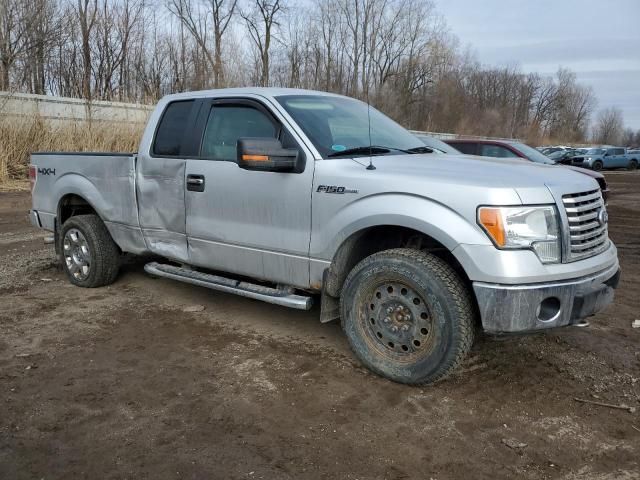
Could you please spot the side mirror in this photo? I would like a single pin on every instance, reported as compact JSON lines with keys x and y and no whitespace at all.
{"x":266,"y":154}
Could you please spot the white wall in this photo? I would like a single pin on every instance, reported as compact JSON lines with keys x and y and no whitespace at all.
{"x":62,"y":109}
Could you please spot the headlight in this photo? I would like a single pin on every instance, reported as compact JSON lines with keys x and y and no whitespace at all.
{"x":588,"y":159}
{"x":527,"y":227}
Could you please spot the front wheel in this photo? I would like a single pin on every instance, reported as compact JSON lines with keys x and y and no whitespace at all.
{"x":597,"y":165}
{"x":90,"y":257}
{"x":407,"y":315}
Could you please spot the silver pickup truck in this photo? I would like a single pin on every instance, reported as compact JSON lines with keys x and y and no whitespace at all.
{"x":289,"y":195}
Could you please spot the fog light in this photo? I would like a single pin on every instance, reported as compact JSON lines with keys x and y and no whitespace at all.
{"x":549,"y":309}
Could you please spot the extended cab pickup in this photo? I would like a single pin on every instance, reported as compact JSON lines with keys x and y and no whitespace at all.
{"x":282,"y":195}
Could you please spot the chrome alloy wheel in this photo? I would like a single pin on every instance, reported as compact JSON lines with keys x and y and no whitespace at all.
{"x":77,"y":256}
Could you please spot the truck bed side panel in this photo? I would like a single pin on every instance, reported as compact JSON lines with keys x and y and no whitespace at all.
{"x":105,"y":181}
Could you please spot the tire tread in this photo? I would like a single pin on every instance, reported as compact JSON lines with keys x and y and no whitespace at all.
{"x":106,"y":257}
{"x":457,"y":289}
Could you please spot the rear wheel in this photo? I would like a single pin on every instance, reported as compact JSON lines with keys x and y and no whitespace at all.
{"x":633,"y":165}
{"x":90,"y":257}
{"x":597,"y":165}
{"x":407,"y":315}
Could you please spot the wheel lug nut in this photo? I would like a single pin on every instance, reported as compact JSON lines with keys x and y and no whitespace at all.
{"x":398,"y":309}
{"x":405,"y":328}
{"x":386,"y":320}
{"x":389,"y":310}
{"x":407,"y":318}
{"x":394,"y":329}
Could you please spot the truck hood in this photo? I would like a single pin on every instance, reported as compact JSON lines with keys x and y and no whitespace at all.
{"x":527,"y":178}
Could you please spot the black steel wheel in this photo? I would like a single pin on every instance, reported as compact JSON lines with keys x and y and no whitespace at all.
{"x":408,"y":315}
{"x":399,"y":320}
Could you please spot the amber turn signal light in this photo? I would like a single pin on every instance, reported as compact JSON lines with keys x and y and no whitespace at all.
{"x":491,"y":220}
{"x":255,"y":158}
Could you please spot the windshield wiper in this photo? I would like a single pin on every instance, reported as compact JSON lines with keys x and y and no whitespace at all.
{"x":374,"y":150}
{"x":378,"y":150}
{"x":424,"y":149}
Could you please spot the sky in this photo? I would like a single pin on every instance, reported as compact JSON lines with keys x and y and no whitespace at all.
{"x":598,"y":39}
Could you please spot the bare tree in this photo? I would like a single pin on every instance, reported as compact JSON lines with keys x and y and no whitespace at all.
{"x":197,"y":19}
{"x":86,"y":11}
{"x":261,"y":19}
{"x":609,"y":126}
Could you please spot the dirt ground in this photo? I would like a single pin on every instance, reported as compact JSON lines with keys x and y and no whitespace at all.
{"x":120,"y":382}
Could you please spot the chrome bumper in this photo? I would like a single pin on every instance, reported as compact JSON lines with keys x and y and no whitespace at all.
{"x":522,"y":308}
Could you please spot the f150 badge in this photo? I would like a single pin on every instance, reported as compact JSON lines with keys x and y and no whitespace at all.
{"x":335,"y":189}
{"x":46,"y":171}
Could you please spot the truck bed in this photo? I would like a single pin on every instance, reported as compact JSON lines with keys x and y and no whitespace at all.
{"x":105,"y":180}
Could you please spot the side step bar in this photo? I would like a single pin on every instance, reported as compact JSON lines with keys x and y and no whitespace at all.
{"x":229,"y":285}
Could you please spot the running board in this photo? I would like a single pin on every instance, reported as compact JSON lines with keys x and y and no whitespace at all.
{"x":250,"y":290}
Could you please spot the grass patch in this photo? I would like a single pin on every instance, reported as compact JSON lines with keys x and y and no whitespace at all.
{"x":21,"y":136}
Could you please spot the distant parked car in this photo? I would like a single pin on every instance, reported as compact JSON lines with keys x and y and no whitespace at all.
{"x":436,"y":144}
{"x":513,"y":149}
{"x":564,"y":157}
{"x":550,"y":150}
{"x":607,"y":157}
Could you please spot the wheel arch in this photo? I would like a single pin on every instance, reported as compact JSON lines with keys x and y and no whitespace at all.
{"x":373,"y":239}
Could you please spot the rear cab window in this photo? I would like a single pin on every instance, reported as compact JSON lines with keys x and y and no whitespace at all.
{"x":170,"y":135}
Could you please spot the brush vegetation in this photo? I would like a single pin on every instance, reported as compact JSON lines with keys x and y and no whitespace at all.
{"x":20,"y":137}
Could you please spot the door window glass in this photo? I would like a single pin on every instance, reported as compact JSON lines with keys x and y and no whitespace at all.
{"x":496,"y":151}
{"x":171,"y":128}
{"x":465,"y":147}
{"x":227,"y":123}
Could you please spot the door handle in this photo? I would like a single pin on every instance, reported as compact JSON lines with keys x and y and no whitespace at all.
{"x":195,"y":183}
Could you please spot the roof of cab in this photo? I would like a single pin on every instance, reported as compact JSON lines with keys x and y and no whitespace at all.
{"x":268,"y":92}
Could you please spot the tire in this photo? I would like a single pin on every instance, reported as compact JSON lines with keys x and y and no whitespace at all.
{"x":633,"y":165}
{"x":90,"y":257}
{"x":597,"y":165}
{"x":434,"y":326}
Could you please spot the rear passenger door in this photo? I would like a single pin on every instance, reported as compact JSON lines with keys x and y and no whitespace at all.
{"x":254,"y":223}
{"x":160,"y":181}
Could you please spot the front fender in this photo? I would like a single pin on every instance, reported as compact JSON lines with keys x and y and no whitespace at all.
{"x":403,"y":210}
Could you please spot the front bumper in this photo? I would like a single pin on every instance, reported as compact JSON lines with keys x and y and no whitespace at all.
{"x":522,"y":308}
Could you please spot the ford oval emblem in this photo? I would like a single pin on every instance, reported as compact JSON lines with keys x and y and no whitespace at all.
{"x":603,"y":217}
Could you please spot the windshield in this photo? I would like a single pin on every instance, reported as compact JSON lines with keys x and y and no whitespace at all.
{"x":595,"y":151}
{"x":337,"y":124}
{"x":437,"y":144}
{"x":532,"y":154}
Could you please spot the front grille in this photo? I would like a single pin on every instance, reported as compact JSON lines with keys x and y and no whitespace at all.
{"x":587,"y":228}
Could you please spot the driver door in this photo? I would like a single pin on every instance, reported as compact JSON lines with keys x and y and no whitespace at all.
{"x":247,"y":222}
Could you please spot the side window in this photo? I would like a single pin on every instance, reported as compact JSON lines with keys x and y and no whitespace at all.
{"x":172,"y":128}
{"x":227,"y":123}
{"x":496,"y":151}
{"x":465,"y":147}
{"x":610,"y":151}
{"x":619,"y":151}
